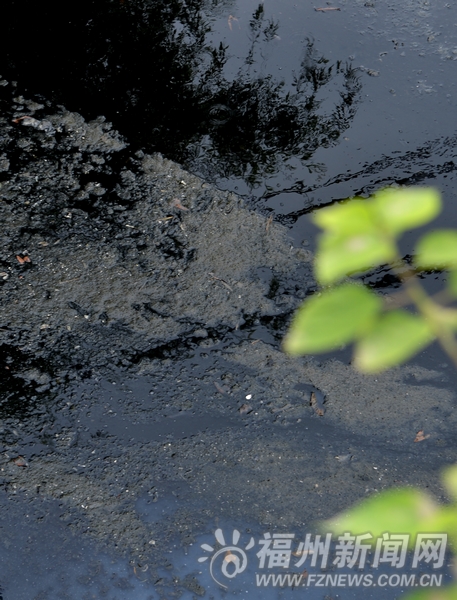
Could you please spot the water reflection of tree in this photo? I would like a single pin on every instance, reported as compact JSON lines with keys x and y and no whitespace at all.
{"x":148,"y":66}
{"x":253,"y":126}
{"x":259,"y":125}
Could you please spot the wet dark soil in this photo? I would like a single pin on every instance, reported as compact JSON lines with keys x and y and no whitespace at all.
{"x":142,"y":312}
{"x":144,"y":398}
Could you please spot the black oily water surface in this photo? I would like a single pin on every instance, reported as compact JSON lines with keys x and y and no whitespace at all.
{"x":164,"y":75}
{"x":368,"y":106}
{"x":293,"y":107}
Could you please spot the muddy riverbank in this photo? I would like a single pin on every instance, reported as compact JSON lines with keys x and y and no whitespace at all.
{"x":145,"y":399}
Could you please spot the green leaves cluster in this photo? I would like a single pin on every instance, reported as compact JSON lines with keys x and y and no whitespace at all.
{"x":405,"y":510}
{"x":360,"y":234}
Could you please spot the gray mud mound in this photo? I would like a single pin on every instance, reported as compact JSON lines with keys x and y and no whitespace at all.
{"x":98,"y":263}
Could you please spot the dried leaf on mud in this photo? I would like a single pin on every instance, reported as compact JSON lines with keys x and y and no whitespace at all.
{"x":420,"y":437}
{"x":317,"y":404}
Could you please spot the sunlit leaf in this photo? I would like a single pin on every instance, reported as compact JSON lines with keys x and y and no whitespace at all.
{"x":340,"y":256}
{"x":437,"y":249}
{"x":396,"y":337}
{"x":352,"y":216}
{"x":450,"y":481}
{"x":405,"y":208}
{"x":452,"y":283}
{"x":333,"y":318}
{"x":444,"y":520}
{"x":398,"y":511}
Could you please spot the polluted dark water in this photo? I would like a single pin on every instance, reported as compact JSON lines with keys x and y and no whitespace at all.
{"x":159,"y":162}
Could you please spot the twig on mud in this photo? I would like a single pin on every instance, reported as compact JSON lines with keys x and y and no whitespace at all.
{"x":19,"y":119}
{"x":221,"y":280}
{"x":176,"y":203}
{"x":219,"y":388}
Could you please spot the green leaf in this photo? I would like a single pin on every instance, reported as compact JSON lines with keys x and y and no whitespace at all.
{"x":444,"y":520}
{"x":452,"y":283}
{"x":405,"y":208}
{"x":335,"y":317}
{"x":351,"y":216}
{"x":405,"y":510}
{"x":437,"y":250}
{"x":359,"y":234}
{"x":339,"y":256}
{"x":450,"y":481}
{"x":396,"y":337}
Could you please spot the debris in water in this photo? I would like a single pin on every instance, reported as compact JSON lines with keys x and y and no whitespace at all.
{"x":40,"y":125}
{"x":219,"y":388}
{"x":230,"y":21}
{"x":136,"y":569}
{"x":344,"y":458}
{"x":176,"y":203}
{"x":317,"y":403}
{"x":370,"y":72}
{"x":420,"y":437}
